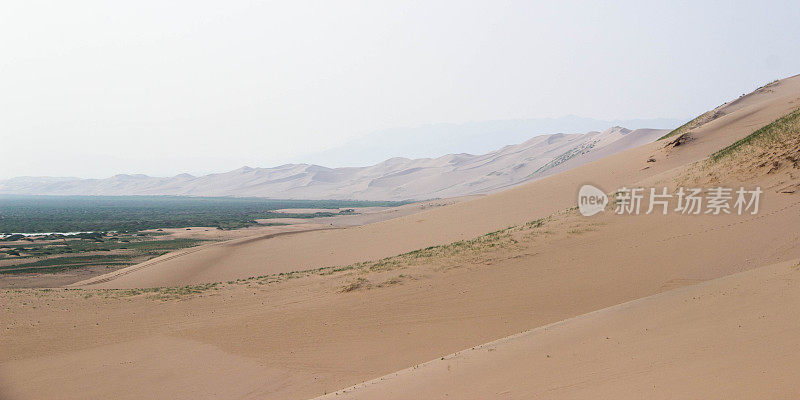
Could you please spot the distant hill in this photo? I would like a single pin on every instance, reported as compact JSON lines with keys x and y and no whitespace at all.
{"x":393,"y":179}
{"x":478,"y":137}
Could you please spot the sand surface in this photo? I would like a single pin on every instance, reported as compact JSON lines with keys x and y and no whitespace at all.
{"x":734,"y":338}
{"x":308,"y":338}
{"x":466,"y":219}
{"x":625,"y":306}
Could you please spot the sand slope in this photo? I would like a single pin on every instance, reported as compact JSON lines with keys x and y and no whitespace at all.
{"x":307,"y":335}
{"x":467,"y":219}
{"x":734,"y":338}
{"x":304,"y":337}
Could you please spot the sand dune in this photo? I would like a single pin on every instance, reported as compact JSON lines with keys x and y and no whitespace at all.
{"x":304,"y":337}
{"x":451,"y":175}
{"x":732,"y":337}
{"x":636,"y":301}
{"x":467,"y":219}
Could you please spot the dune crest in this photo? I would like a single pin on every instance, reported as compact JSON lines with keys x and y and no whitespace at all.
{"x":397,"y":178}
{"x":471,"y":218}
{"x":647,"y":306}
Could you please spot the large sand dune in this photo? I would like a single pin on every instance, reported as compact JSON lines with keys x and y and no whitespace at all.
{"x":734,"y":338}
{"x":466,"y":219}
{"x":302,"y":337}
{"x":636,"y":301}
{"x":397,"y":178}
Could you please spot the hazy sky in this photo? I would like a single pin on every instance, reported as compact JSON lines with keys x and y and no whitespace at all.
{"x":161,"y":87}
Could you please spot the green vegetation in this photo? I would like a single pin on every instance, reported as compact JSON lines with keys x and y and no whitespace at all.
{"x":454,"y":253}
{"x":31,"y":214}
{"x":112,"y":225}
{"x":49,"y":256}
{"x":774,"y":132}
{"x":50,"y":265}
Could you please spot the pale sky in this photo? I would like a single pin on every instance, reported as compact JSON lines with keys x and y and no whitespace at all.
{"x":93,"y":89}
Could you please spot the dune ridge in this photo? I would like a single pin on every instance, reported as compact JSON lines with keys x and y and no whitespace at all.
{"x":473,"y":217}
{"x":655,"y":306}
{"x":398,"y":178}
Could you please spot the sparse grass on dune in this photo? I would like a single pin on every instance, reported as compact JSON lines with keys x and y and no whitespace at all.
{"x":166,"y":293}
{"x":777,"y":132}
{"x":700,"y":120}
{"x":393,"y":281}
{"x":774,"y":149}
{"x":359,"y":283}
{"x":454,"y":253}
{"x":707,"y":116}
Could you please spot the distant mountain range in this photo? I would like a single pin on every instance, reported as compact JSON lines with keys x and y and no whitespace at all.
{"x":477,"y":137}
{"x":393,"y":179}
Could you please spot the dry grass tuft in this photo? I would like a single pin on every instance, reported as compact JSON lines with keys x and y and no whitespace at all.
{"x":359,"y":283}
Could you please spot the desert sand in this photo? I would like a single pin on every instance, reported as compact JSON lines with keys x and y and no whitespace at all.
{"x":398,"y":178}
{"x":624,"y":306}
{"x":732,"y":337}
{"x":466,"y":219}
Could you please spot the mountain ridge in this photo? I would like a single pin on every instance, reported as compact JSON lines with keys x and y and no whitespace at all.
{"x":396,"y":178}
